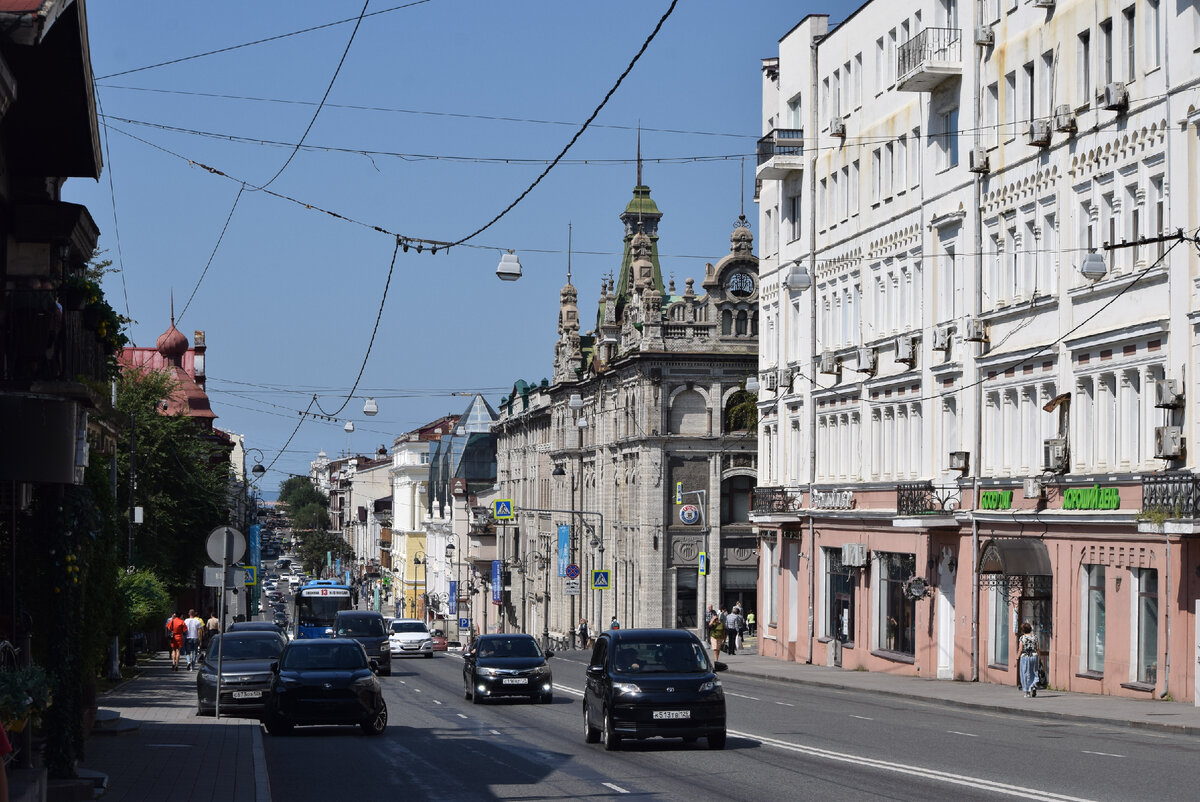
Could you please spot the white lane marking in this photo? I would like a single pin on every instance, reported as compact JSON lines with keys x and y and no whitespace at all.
{"x":916,"y":771}
{"x":967,"y":734}
{"x":616,"y":788}
{"x":864,"y":718}
{"x":436,"y":702}
{"x":742,"y":696}
{"x":1102,"y":754}
{"x":416,"y":690}
{"x":566,"y":689}
{"x":785,"y":704}
{"x":460,"y":715}
{"x":494,"y":732}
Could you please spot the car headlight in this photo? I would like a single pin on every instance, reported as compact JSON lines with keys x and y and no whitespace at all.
{"x":711,"y":685}
{"x":426,"y":643}
{"x":208,"y":678}
{"x":542,"y":670}
{"x":364,"y":683}
{"x":626,"y":687}
{"x":489,"y":672}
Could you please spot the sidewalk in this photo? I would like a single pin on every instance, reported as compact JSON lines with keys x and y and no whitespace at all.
{"x":1173,"y":717}
{"x":175,"y":754}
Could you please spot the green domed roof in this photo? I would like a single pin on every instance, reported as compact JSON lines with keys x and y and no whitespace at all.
{"x":642,"y":203}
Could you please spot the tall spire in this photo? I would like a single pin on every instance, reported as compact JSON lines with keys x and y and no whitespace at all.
{"x":639,"y":154}
{"x":568,"y":252}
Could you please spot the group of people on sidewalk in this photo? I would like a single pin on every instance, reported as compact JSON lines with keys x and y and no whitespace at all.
{"x":727,"y":630}
{"x":189,"y":636}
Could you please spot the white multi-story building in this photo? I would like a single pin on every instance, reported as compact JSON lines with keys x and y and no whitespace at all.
{"x":953,"y":352}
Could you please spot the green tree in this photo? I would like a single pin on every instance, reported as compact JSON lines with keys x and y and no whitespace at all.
{"x":310,"y":518}
{"x":299,"y":491}
{"x":147,"y":602}
{"x":741,"y":412}
{"x":316,"y":545}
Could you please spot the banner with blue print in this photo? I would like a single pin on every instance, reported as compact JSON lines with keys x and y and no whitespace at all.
{"x":564,"y":548}
{"x":454,"y":598}
{"x":497,"y":582}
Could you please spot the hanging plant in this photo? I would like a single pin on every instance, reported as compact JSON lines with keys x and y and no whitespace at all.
{"x":24,"y":696}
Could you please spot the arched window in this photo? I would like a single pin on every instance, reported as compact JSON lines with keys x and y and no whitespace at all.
{"x":741,"y":412}
{"x":741,"y":322}
{"x":689,"y":414}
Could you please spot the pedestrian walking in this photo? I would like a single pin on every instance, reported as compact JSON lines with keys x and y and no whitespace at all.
{"x":750,"y":623}
{"x":176,"y":632}
{"x":193,"y":625}
{"x":1027,"y":646}
{"x":733,"y":631}
{"x":716,"y":633}
{"x":709,"y":614}
{"x":583,"y":633}
{"x":614,"y":623}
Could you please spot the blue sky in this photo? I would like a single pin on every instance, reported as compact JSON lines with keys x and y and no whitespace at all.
{"x":429,"y":103}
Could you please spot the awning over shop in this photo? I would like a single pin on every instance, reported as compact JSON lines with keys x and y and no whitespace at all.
{"x":1011,"y":558}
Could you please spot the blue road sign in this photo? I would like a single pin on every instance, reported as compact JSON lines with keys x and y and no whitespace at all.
{"x":689,"y":514}
{"x":463,"y":623}
{"x":704,"y":563}
{"x":572,"y":571}
{"x":251,"y":574}
{"x":502,"y":509}
{"x":600,"y":580}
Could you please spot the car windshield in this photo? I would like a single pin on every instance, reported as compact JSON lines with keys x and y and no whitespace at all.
{"x":668,"y":657}
{"x":356,"y":627}
{"x":324,"y":656}
{"x":408,"y":626}
{"x":244,"y":648}
{"x":509,"y":647}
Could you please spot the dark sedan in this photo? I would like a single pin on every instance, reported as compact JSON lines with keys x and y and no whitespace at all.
{"x":652,"y":683}
{"x":325,"y":681}
{"x":507,"y":665}
{"x":245,"y":672}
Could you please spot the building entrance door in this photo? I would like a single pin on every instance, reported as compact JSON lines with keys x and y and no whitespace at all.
{"x":945,"y":616}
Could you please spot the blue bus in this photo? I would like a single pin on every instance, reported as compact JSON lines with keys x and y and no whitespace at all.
{"x":317,"y":603}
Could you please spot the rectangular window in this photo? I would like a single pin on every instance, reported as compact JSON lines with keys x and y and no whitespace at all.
{"x":947,"y":291}
{"x":880,"y":69}
{"x":896,"y":613}
{"x":839,"y":597}
{"x":771,"y":582}
{"x":687,"y":598}
{"x":901,"y":163}
{"x":793,"y":207}
{"x":1158,"y":220}
{"x":1084,"y":68}
{"x":1047,"y":254}
{"x":1046,"y":89}
{"x":854,"y":187}
{"x":822,"y":209}
{"x":1153,"y":40}
{"x":1106,"y":50}
{"x":889,"y":158}
{"x":1010,"y":105}
{"x":857,"y":84}
{"x":914,"y":158}
{"x":844,"y":209}
{"x":948,"y":139}
{"x":1147,"y":625}
{"x":1093,"y":631}
{"x":824,"y":103}
{"x":1130,"y":45}
{"x":991,"y":115}
{"x":1029,"y":107}
{"x":876,"y":174}
{"x":891,"y":56}
{"x":1001,"y":612}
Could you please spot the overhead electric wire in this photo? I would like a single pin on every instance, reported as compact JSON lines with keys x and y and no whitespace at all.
{"x":578,"y":133}
{"x":217,"y":245}
{"x":260,"y":41}
{"x":112,"y":195}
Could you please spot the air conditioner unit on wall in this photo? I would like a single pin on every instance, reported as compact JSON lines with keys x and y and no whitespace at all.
{"x":960,"y":460}
{"x":1168,"y":394}
{"x":1116,"y":96}
{"x":1043,"y":3}
{"x":941,"y":338}
{"x":854,"y":555}
{"x":977,"y":160}
{"x":772,"y":380}
{"x":1039,"y":133}
{"x":1054,"y":454}
{"x":1033,"y":488}
{"x":1168,"y":442}
{"x":906,"y":349}
{"x":975,"y":330}
{"x":984,"y":35}
{"x":866,"y":360}
{"x":1064,"y":119}
{"x":837,"y":127}
{"x":829,"y":363}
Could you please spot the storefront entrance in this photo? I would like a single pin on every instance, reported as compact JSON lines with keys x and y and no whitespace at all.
{"x":1020,"y":568}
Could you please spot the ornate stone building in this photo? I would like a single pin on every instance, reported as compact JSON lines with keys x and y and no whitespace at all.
{"x":648,"y":401}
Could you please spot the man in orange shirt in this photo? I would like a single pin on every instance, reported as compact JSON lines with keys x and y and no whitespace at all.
{"x":176,"y":632}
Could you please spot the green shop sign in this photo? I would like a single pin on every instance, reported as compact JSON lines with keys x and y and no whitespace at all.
{"x":1092,"y":498}
{"x":995,"y":500}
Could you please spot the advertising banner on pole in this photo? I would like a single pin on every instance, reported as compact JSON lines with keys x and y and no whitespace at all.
{"x":564,"y":548}
{"x":497,"y":582}
{"x":453,"y":602}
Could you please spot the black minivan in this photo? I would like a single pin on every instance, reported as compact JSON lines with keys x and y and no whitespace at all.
{"x":652,"y":683}
{"x":367,"y":628}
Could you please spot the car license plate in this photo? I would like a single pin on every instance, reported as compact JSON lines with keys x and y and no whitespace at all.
{"x":516,"y":680}
{"x":672,"y":713}
{"x":247,"y":694}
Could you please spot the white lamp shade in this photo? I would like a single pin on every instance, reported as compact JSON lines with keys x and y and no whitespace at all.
{"x":575,"y":401}
{"x":797,"y":279}
{"x":752,"y":384}
{"x":349,"y":427}
{"x":1093,"y":267}
{"x":509,"y":268}
{"x":370,"y":408}
{"x":583,"y":424}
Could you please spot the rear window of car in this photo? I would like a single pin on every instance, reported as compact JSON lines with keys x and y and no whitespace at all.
{"x":319,"y":656}
{"x":509,"y":647}
{"x":408,"y":626}
{"x":360,"y":627}
{"x":236,"y":648}
{"x":660,"y":657}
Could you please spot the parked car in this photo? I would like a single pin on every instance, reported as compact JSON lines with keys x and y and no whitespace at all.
{"x":507,"y":665}
{"x":409,"y":637}
{"x":439,"y":640}
{"x":259,"y":626}
{"x":245,"y":667}
{"x":652,"y":683}
{"x":367,"y":628}
{"x":325,"y":681}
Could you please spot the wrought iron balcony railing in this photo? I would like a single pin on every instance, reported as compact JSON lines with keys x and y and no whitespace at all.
{"x":931,"y":48}
{"x":780,"y":142}
{"x":922,"y":498}
{"x":774,"y":500}
{"x":1174,"y":494}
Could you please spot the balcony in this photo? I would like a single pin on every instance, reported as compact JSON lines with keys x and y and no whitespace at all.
{"x":780,"y":152}
{"x":1170,"y":495}
{"x":932,"y":56}
{"x":770,"y":502}
{"x":921,"y":505}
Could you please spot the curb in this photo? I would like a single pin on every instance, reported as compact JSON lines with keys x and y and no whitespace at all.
{"x":1175,"y":729}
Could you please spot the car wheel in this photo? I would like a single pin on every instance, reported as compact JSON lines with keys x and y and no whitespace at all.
{"x":377,"y":724}
{"x":590,"y":734}
{"x":428,"y":655}
{"x":612,"y":741}
{"x":716,"y":740}
{"x":547,"y":698}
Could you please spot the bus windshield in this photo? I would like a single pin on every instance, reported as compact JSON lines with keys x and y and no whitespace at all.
{"x":317,"y":606}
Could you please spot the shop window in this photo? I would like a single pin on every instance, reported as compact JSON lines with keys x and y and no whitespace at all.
{"x":1093,"y":611}
{"x":1147,"y":625}
{"x":735,"y":499}
{"x":686,"y":598}
{"x":1001,"y":613}
{"x":896,"y":613}
{"x":839,"y":598}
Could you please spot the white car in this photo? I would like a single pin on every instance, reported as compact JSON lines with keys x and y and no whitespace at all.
{"x":409,"y":637}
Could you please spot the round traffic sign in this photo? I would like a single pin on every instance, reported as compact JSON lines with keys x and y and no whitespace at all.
{"x":573,"y":571}
{"x":689,"y":514}
{"x":226,"y":539}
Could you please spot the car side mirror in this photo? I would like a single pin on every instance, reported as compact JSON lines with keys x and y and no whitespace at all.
{"x":374,"y":666}
{"x":328,"y":632}
{"x":595,"y":671}
{"x":274,"y":666}
{"x":549,"y":654}
{"x":719,"y":666}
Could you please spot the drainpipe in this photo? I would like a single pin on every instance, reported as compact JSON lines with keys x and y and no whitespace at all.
{"x":1166,"y":66}
{"x":1166,"y":688}
{"x":812,"y":329}
{"x":977,"y":462}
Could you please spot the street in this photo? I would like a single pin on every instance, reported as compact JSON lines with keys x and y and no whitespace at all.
{"x":786,"y":741}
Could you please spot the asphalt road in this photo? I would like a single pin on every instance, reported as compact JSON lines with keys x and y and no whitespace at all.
{"x":787,"y":741}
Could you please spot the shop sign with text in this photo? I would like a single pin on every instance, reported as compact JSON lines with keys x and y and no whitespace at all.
{"x":1092,"y":498}
{"x":832,"y":499}
{"x":995,"y":500}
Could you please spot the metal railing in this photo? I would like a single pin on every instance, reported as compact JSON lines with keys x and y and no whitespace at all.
{"x":922,"y":498}
{"x":938,"y":45}
{"x":1173,"y":494}
{"x":768,"y":500}
{"x":780,"y":142}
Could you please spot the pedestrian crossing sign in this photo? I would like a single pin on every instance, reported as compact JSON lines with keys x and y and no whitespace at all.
{"x":502,"y":509}
{"x":704,"y":563}
{"x":251,"y":574}
{"x":600,"y":580}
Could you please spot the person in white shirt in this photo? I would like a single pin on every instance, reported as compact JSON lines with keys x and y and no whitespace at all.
{"x":191,"y":642}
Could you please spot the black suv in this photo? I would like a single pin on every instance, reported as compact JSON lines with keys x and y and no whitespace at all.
{"x":367,"y":628}
{"x":652,"y":683}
